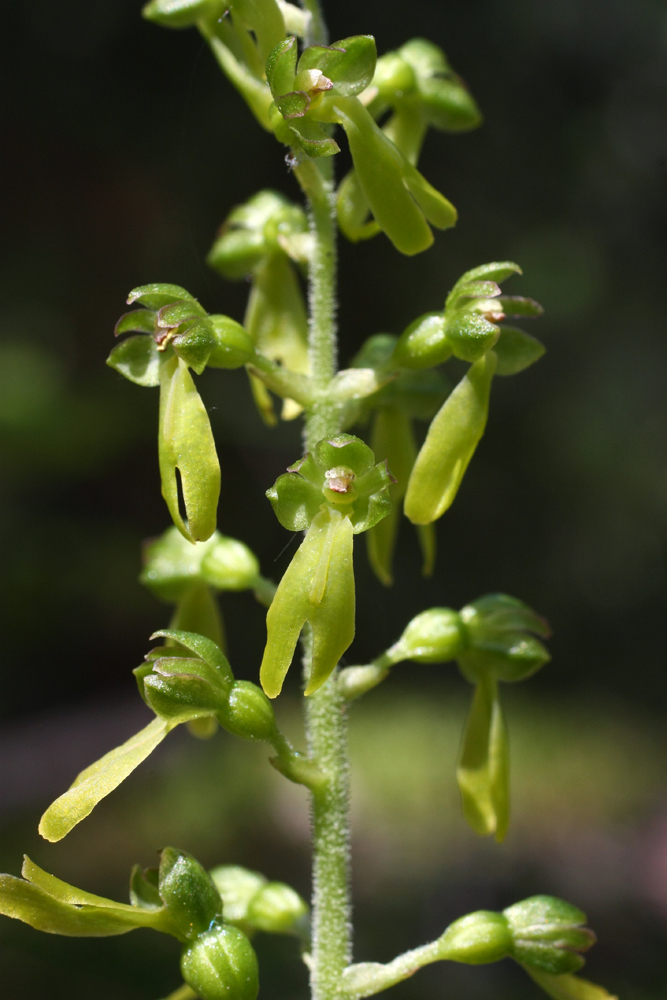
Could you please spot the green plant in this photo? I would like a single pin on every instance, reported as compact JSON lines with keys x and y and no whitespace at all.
{"x":340,"y":487}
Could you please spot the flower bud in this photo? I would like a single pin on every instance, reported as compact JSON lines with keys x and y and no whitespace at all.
{"x":221,"y":965}
{"x":180,"y":688}
{"x":248,"y":713}
{"x":548,"y":934}
{"x":237,"y":886}
{"x":229,"y":565}
{"x":501,"y":644}
{"x":434,"y":636}
{"x":423,"y":343}
{"x":188,"y":892}
{"x":278,"y":909}
{"x":476,"y":939}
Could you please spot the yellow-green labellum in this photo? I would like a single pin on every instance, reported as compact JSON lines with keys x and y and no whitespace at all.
{"x":317,"y":587}
{"x":483,"y":767}
{"x":450,"y":444}
{"x":186,"y":444}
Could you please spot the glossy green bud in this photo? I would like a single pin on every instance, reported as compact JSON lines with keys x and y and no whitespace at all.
{"x":434,"y":636}
{"x":482,"y":771}
{"x":278,"y":909}
{"x":266,"y":223}
{"x":229,"y":564}
{"x":188,"y":892}
{"x":248,"y":713}
{"x":180,"y":688}
{"x":186,"y":445}
{"x":548,"y":934}
{"x":317,"y":587}
{"x":502,"y":639}
{"x":182,"y":13}
{"x":476,"y":939}
{"x":450,"y":444}
{"x":221,"y":965}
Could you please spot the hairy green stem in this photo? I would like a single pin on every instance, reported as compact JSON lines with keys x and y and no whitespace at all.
{"x":326,"y":723}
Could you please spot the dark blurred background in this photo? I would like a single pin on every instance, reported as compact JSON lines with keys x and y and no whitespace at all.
{"x":123,"y":150}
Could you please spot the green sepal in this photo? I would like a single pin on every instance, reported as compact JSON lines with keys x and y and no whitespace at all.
{"x":221,"y":965}
{"x":423,"y":343}
{"x":157,"y":295}
{"x":516,"y":350}
{"x":476,"y":939}
{"x":180,"y":688}
{"x":450,"y":444}
{"x":293,"y":105}
{"x":248,"y":713}
{"x":394,"y":77}
{"x":434,"y":636}
{"x":137,"y":358}
{"x":233,"y":345}
{"x":201,"y":646}
{"x":548,"y":934}
{"x":236,"y":252}
{"x":281,"y":66}
{"x":348,"y":63}
{"x":568,"y":987}
{"x":353,"y":210}
{"x":182,"y":13}
{"x":144,"y":888}
{"x":177,"y":312}
{"x":193,"y":342}
{"x":482,"y":771}
{"x":295,"y":501}
{"x":470,"y":335}
{"x":497,"y":271}
{"x":188,"y":893}
{"x":264,"y":19}
{"x":48,"y":904}
{"x":519,"y":305}
{"x":186,"y":444}
{"x":317,"y":587}
{"x":98,"y":780}
{"x":137,"y":321}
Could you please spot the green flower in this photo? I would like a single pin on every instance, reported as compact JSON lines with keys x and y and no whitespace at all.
{"x":335,"y":493}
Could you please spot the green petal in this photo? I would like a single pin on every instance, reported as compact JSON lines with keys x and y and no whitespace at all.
{"x":348,"y":63}
{"x":516,"y":350}
{"x":98,"y":780}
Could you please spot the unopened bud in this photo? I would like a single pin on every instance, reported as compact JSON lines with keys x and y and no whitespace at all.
{"x":476,"y":939}
{"x":434,"y":636}
{"x":248,"y":713}
{"x":221,"y":965}
{"x":548,"y":934}
{"x":188,"y":892}
{"x":277,"y":908}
